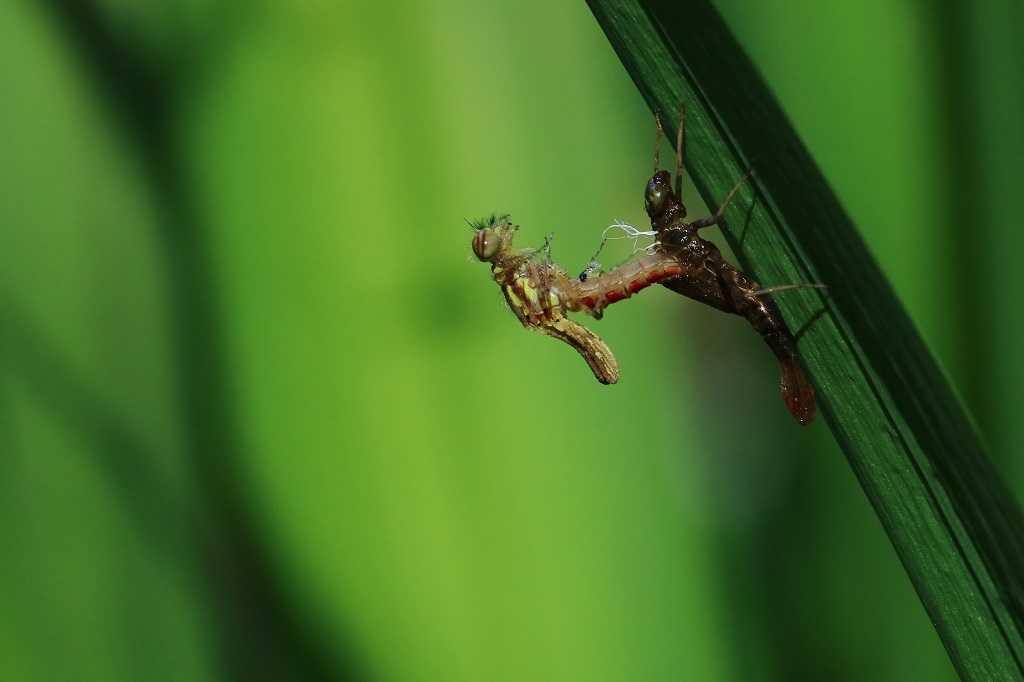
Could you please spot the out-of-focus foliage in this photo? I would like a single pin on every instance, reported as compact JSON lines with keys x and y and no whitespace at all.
{"x":431,"y":492}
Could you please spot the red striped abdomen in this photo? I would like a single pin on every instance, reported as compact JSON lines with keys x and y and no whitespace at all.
{"x":601,"y":290}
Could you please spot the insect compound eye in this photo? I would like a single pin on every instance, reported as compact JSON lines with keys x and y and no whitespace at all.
{"x":486,"y":243}
{"x":655,"y":196}
{"x":658,"y":190}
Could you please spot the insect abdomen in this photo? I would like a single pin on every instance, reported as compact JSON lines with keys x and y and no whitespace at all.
{"x":603,"y":289}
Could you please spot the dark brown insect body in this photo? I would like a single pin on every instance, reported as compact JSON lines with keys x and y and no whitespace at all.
{"x":707,"y":277}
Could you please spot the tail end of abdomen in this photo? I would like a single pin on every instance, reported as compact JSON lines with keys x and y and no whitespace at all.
{"x":798,"y":394}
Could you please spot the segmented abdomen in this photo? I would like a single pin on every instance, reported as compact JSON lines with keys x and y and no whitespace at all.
{"x":601,"y":290}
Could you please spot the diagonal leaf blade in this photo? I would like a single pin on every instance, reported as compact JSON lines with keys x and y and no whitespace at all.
{"x":952,"y":521}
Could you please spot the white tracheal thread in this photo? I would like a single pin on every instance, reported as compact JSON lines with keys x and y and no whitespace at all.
{"x":628,"y":232}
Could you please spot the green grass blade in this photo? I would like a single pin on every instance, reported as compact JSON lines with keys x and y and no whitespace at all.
{"x":955,"y":526}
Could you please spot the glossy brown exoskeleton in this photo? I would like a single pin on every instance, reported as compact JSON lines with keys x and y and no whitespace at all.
{"x":707,"y":277}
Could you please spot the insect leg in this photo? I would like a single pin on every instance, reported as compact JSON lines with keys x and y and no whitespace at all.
{"x":657,"y":141}
{"x":712,"y":219}
{"x":786,"y":287}
{"x":679,"y":149}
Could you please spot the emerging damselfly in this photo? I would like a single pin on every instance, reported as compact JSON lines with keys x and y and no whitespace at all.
{"x":540,"y":292}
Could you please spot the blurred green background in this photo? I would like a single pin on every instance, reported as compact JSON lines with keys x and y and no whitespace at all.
{"x":263,"y":416}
